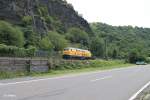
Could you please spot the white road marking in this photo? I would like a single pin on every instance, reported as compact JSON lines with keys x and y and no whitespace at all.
{"x":9,"y":96}
{"x":25,"y":82}
{"x":136,"y":94}
{"x":107,"y":77}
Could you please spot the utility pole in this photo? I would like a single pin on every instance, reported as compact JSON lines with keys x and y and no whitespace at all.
{"x":106,"y":56}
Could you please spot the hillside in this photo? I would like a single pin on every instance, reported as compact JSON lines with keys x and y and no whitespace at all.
{"x":43,"y":24}
{"x":122,"y":40}
{"x":43,"y":12}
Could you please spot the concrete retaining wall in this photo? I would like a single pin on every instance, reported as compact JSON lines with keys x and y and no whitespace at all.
{"x":15,"y":65}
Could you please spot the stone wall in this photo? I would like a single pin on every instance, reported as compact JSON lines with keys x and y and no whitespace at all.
{"x":32,"y":65}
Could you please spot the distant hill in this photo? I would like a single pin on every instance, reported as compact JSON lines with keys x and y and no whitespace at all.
{"x":123,"y":39}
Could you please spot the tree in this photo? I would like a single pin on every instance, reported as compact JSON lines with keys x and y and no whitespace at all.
{"x":124,"y":38}
{"x":10,"y":35}
{"x":133,"y":56}
{"x":32,"y":38}
{"x":45,"y":44}
{"x":115,"y":54}
{"x":58,"y":41}
{"x":97,"y":46}
{"x":76,"y":35}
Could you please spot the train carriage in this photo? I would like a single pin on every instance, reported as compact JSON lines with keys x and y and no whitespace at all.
{"x":75,"y":53}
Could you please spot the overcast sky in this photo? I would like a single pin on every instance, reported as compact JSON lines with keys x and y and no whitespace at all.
{"x":115,"y":12}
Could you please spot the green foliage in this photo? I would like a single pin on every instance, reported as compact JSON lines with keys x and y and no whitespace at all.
{"x":58,"y":41}
{"x":58,"y":26}
{"x":30,"y":52}
{"x":49,"y":19}
{"x":10,"y":35}
{"x":32,"y":38}
{"x":45,"y":44}
{"x":42,"y":10}
{"x":13,"y":51}
{"x":115,"y":54}
{"x":102,"y":64}
{"x":122,"y":40}
{"x":77,"y":35}
{"x":27,"y":20}
{"x":7,"y":75}
{"x":97,"y":47}
{"x":134,"y":57}
{"x":148,"y":59}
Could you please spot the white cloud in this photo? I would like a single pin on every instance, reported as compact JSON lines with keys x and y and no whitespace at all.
{"x":115,"y":12}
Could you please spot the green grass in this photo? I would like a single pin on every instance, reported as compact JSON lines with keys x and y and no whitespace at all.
{"x":72,"y":68}
{"x":8,"y":75}
{"x":96,"y":65}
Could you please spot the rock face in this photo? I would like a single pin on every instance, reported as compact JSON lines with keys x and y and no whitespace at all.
{"x":14,"y":10}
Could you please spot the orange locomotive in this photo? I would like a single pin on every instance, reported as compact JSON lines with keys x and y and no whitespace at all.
{"x":75,"y":53}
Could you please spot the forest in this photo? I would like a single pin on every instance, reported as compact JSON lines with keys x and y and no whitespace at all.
{"x":122,"y":41}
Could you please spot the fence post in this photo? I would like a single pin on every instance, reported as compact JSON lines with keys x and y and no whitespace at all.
{"x":28,"y":66}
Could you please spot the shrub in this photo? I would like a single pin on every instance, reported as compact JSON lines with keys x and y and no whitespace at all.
{"x":148,"y":59}
{"x":76,"y":64}
{"x":10,"y":35}
{"x":26,"y":20}
{"x":30,"y":52}
{"x":58,"y":26}
{"x":42,"y":10}
{"x":13,"y":51}
{"x":49,"y":19}
{"x":134,"y":56}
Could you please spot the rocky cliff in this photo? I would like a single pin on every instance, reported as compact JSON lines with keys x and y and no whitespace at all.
{"x":46,"y":14}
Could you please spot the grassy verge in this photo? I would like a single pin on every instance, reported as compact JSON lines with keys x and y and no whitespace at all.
{"x":8,"y":75}
{"x":96,"y":66}
{"x":72,"y":68}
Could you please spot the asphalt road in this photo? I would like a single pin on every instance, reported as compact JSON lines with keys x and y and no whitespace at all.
{"x":118,"y":84}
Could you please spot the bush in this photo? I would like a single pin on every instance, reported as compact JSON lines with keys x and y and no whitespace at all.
{"x":148,"y":59}
{"x":30,"y":52}
{"x":10,"y":35}
{"x":13,"y":51}
{"x":49,"y":19}
{"x":42,"y":10}
{"x":77,"y":64}
{"x":70,"y":65}
{"x":134,"y":56}
{"x":27,"y":20}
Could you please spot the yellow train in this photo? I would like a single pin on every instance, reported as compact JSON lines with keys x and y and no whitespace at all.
{"x":75,"y":53}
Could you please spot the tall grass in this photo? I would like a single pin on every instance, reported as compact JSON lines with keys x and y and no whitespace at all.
{"x":7,"y":75}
